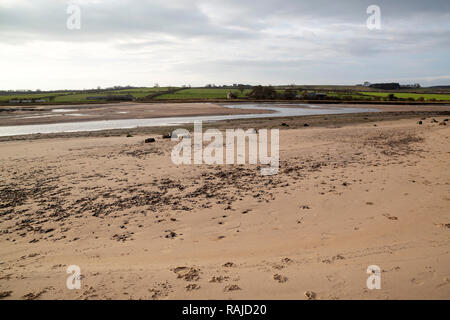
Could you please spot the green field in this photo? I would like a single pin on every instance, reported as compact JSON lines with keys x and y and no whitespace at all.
{"x":213,"y":93}
{"x":137,"y":93}
{"x":406,"y":95}
{"x":336,"y":88}
{"x":73,"y":97}
{"x":6,"y":98}
{"x":348,"y":95}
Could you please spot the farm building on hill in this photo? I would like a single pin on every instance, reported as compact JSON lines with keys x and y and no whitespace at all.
{"x":386,"y":86}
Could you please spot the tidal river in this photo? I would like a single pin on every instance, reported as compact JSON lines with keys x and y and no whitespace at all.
{"x":278,"y":111}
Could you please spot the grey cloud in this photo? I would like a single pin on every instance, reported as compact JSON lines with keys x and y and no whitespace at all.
{"x":140,"y":24}
{"x":46,"y":20}
{"x":253,"y":39}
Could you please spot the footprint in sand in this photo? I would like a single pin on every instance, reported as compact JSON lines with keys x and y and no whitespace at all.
{"x":34,"y":296}
{"x":287,"y":261}
{"x":280,"y":278}
{"x":228,"y":265}
{"x":160,"y":290}
{"x":416,"y":281}
{"x":278,"y":266}
{"x":231,"y":287}
{"x":333,"y":259}
{"x":428,"y":274}
{"x":445,"y":282}
{"x":310,"y":295}
{"x":192,"y":287}
{"x":5,"y":294}
{"x":443,"y":225}
{"x":187,"y":273}
{"x":219,"y":279}
{"x":387,"y":215}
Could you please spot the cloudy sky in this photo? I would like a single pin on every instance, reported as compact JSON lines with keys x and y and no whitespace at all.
{"x":176,"y":42}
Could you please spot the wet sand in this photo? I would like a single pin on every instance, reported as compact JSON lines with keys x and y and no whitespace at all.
{"x":393,"y":107}
{"x":112,"y":111}
{"x":352,"y":191}
{"x":33,"y":115}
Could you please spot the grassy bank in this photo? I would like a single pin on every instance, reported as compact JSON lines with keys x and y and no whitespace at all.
{"x":407,"y":95}
{"x":333,"y":93}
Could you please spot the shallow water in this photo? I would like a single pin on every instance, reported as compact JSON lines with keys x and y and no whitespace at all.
{"x":64,"y":110}
{"x":300,"y":110}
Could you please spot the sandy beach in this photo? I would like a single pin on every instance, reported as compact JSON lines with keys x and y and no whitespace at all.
{"x":348,"y":195}
{"x":225,"y":159}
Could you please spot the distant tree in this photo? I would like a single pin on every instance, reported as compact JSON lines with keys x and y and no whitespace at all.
{"x":391,"y":97}
{"x":260,"y":92}
{"x":290,"y":94}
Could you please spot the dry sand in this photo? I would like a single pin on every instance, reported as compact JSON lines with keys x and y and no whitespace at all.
{"x":141,"y":227}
